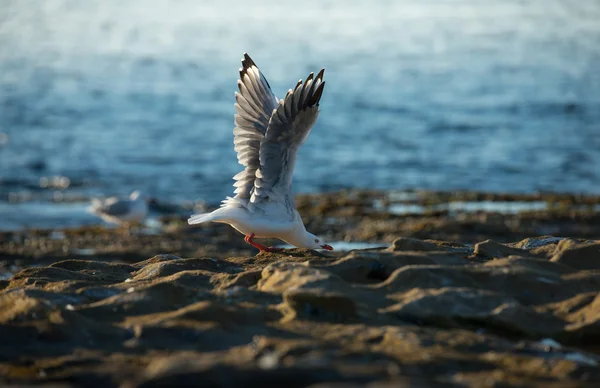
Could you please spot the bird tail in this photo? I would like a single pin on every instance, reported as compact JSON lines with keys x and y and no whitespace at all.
{"x":95,"y":205}
{"x":200,"y":218}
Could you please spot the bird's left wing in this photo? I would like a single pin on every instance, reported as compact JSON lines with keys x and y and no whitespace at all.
{"x":254,"y":106}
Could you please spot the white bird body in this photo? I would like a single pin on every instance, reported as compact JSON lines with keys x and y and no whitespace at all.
{"x":260,"y":225}
{"x":267,"y":136}
{"x":121,"y":210}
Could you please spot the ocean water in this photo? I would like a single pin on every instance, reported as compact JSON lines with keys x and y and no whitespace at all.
{"x":103,"y":97}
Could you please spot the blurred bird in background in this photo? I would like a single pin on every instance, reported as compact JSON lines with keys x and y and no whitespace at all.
{"x":122,"y":211}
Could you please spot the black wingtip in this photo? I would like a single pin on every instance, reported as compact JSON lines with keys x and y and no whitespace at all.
{"x":316,"y":97}
{"x":320,"y":75}
{"x":247,"y":63}
{"x":310,"y":77}
{"x":311,"y":90}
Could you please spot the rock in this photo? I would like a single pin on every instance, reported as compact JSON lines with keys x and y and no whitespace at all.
{"x":17,"y":307}
{"x":584,"y":318}
{"x":359,"y":267}
{"x":578,"y":255}
{"x":539,"y":246}
{"x":244,"y":279}
{"x":186,"y":373}
{"x":492,"y":249}
{"x":459,"y":307}
{"x":373,"y":267}
{"x":140,"y":299}
{"x":157,"y":259}
{"x":539,"y":266}
{"x":119,"y":270}
{"x":531,"y":243}
{"x":421,"y":313}
{"x":280,"y":277}
{"x":413,"y":244}
{"x":529,"y":286}
{"x":166,"y":268}
{"x":319,"y":304}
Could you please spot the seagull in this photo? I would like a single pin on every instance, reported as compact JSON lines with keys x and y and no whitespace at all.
{"x":267,"y":135}
{"x":121,"y":210}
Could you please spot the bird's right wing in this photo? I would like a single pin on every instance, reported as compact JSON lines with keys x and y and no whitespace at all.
{"x":254,"y":106}
{"x":289,"y":127}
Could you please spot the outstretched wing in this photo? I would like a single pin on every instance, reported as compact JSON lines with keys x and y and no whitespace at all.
{"x":288,"y":128}
{"x":254,"y":105}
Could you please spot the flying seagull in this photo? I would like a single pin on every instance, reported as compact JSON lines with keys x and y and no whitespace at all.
{"x":267,"y":135}
{"x":124,"y":211}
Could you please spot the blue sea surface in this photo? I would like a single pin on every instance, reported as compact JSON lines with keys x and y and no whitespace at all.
{"x":102,"y":97}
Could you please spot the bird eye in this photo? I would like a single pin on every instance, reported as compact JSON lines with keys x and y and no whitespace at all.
{"x":316,"y":240}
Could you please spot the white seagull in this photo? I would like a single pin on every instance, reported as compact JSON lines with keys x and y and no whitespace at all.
{"x":121,"y":210}
{"x":267,"y":135}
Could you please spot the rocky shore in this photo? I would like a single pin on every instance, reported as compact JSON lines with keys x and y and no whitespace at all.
{"x":450,"y":298}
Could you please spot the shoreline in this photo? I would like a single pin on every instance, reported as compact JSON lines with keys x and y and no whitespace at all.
{"x":73,"y":212}
{"x":348,"y":216}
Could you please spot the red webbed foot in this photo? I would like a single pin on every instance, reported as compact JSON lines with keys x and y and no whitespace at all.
{"x":249,"y":239}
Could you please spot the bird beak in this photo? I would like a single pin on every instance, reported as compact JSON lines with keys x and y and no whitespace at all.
{"x":328,"y":247}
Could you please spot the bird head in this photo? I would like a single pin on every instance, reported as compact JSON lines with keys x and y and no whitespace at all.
{"x":314,"y":242}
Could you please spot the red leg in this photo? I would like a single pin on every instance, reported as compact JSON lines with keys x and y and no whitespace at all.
{"x":256,"y":245}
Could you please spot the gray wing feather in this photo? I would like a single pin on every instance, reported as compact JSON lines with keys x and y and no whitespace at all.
{"x":288,"y":128}
{"x":254,"y":105}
